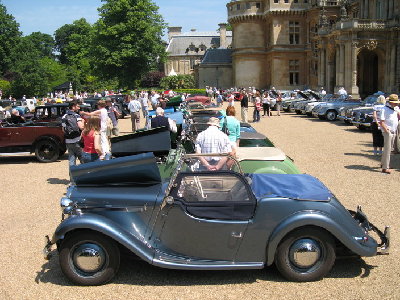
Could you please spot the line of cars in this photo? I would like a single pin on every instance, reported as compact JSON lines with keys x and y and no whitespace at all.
{"x":333,"y":107}
{"x":156,"y":202}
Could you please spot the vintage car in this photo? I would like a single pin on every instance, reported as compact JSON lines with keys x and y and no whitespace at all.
{"x":199,"y":98}
{"x":357,"y":114}
{"x":203,"y":220}
{"x":46,"y":141}
{"x":330,"y":110}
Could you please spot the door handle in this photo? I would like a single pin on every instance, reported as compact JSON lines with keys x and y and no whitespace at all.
{"x":237,"y":235}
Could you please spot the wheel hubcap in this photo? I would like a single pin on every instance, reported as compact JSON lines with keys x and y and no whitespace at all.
{"x":89,"y":257}
{"x":304,"y":253}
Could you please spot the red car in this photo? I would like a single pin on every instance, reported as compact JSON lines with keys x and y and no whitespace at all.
{"x":45,"y":141}
{"x":199,"y":98}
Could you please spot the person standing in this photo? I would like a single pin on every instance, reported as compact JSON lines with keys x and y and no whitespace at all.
{"x":377,"y":136}
{"x":91,"y":140}
{"x":244,"y":106}
{"x":161,"y":121}
{"x":72,"y":125}
{"x":278,"y":104}
{"x":266,"y":104}
{"x":389,"y":123}
{"x":257,"y":106}
{"x":104,"y":118}
{"x":144,"y":103}
{"x":114,"y":114}
{"x":154,"y":99}
{"x":231,"y":126}
{"x":134,"y":107}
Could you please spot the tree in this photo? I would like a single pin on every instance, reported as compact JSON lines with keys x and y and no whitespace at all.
{"x":128,"y":39}
{"x":37,"y":76}
{"x":9,"y":37}
{"x":41,"y":42}
{"x":73,"y":41}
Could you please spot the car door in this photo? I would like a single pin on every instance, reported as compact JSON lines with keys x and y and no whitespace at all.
{"x":208,"y":216}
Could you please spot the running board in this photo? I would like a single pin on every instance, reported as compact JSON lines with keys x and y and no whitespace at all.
{"x":167,"y":261}
{"x":15,"y":154}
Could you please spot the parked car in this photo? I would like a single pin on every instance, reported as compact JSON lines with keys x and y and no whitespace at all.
{"x":202,"y":220}
{"x":356,"y":114}
{"x":199,"y":98}
{"x":46,"y":141}
{"x":330,"y":110}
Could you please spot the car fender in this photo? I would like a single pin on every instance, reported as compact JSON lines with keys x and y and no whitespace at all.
{"x":311,"y":218}
{"x":107,"y":227}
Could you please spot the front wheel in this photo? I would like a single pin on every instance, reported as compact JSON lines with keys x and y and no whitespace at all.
{"x":47,"y":151}
{"x":306,"y":254}
{"x":89,"y":258}
{"x":331,"y":115}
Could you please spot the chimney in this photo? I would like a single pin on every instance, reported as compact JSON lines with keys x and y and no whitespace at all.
{"x":222,"y":35}
{"x":173,"y":31}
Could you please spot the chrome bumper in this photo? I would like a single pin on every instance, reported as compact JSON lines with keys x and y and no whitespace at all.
{"x":361,"y":124}
{"x":384,"y":245}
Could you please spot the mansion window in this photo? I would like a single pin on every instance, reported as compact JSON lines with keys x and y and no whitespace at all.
{"x":192,"y":63}
{"x":258,"y":5}
{"x":238,"y":7}
{"x":294,"y":33}
{"x":294,"y":68}
{"x":276,"y":1}
{"x":248,"y":5}
{"x":286,"y":1}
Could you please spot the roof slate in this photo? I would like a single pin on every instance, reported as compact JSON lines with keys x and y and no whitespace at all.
{"x":217,"y":56}
{"x":180,"y":43}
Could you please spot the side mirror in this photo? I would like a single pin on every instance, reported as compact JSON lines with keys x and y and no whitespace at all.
{"x":169,"y":200}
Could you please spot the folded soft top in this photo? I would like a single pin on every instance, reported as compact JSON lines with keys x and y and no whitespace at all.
{"x":294,"y":186}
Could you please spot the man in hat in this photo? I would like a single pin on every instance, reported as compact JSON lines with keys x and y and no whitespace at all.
{"x":389,"y":122}
{"x":213,"y":140}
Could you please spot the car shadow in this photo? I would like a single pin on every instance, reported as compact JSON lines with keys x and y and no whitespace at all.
{"x":140,"y":273}
{"x":58,"y":181}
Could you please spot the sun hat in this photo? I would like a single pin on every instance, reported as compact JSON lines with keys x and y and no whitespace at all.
{"x":393,"y":98}
{"x":213,"y":122}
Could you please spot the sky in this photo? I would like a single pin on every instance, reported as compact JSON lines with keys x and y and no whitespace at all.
{"x":47,"y":16}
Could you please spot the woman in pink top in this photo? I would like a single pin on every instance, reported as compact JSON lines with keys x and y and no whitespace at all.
{"x":91,"y":140}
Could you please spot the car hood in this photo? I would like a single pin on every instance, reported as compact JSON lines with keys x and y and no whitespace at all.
{"x":136,"y":170}
{"x":295,"y":186}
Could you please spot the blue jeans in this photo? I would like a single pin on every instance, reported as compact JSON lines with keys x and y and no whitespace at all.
{"x":74,"y":152}
{"x":256,"y":115}
{"x":89,"y":157}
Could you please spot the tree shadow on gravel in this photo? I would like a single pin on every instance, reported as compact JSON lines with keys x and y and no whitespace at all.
{"x":58,"y":181}
{"x":140,"y":273}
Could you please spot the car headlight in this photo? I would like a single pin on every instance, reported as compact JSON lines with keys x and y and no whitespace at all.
{"x":67,"y":205}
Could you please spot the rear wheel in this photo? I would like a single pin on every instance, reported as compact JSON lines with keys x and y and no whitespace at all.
{"x":306,"y":254}
{"x":89,"y":258}
{"x":298,"y":112}
{"x":47,"y":151}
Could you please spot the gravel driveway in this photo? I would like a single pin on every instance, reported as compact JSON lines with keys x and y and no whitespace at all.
{"x":339,"y":155}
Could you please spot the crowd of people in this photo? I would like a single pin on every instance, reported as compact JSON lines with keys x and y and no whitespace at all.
{"x":92,"y":142}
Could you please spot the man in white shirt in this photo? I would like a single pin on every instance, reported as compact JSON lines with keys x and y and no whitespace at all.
{"x":134,"y":107}
{"x":213,"y":140}
{"x":389,"y":122}
{"x":154,"y":99}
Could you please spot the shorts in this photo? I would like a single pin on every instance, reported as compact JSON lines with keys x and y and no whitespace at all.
{"x":233,"y":145}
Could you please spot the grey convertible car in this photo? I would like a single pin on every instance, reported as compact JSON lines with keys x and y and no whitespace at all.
{"x":203,"y":220}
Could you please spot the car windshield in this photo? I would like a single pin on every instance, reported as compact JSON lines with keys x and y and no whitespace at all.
{"x":255,"y":143}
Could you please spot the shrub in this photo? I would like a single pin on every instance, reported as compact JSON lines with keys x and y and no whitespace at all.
{"x":5,"y":86}
{"x":178,"y":82}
